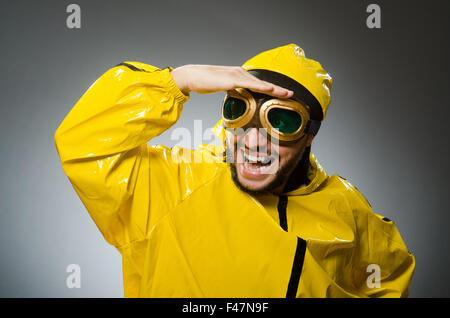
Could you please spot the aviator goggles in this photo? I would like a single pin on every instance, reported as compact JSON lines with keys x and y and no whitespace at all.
{"x":284,"y":119}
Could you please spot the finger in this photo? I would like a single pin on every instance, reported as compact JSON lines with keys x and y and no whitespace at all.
{"x":267,"y":87}
{"x":281,"y":91}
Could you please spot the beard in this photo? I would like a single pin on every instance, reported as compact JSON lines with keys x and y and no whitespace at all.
{"x":281,"y":176}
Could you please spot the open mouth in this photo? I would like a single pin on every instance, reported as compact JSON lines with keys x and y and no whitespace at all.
{"x":258,"y":164}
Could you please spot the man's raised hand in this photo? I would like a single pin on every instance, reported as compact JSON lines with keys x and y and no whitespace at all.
{"x":205,"y":79}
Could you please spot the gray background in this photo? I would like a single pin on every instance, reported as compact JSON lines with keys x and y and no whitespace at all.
{"x":385,"y":130}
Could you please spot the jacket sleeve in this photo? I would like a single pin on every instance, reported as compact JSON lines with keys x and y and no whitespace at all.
{"x":368,"y":258}
{"x":388,"y":266}
{"x":102,"y":144}
{"x":391,"y":262}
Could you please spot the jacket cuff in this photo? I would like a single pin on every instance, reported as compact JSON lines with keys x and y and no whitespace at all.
{"x":180,"y":97}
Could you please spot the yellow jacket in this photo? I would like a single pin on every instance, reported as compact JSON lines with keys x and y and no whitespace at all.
{"x":185,"y":230}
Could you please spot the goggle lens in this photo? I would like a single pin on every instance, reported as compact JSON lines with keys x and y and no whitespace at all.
{"x":286,"y":121}
{"x":234,"y":108}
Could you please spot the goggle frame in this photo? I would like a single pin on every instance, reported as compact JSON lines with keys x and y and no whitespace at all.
{"x":251,"y":107}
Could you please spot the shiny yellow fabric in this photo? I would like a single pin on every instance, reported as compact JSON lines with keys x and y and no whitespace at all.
{"x":185,"y":230}
{"x":291,"y":61}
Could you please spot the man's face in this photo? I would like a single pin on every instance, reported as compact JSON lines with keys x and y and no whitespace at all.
{"x":260,"y":163}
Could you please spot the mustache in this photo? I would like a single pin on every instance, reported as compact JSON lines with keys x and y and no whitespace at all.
{"x":257,"y":149}
{"x":231,"y":151}
{"x":260,"y":148}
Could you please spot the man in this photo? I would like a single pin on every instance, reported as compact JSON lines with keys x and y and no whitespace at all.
{"x":269,"y":222}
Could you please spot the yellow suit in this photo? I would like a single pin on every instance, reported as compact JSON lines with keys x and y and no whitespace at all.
{"x":185,"y":230}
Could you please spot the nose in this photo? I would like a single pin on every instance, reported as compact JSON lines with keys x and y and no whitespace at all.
{"x":256,"y":139}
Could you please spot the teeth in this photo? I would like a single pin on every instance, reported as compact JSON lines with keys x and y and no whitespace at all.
{"x":253,"y":159}
{"x":255,"y":169}
{"x":265,"y":160}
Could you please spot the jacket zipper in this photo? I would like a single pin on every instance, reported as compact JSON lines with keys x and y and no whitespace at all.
{"x":300,"y":250}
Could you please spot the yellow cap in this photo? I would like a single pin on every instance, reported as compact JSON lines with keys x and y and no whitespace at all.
{"x":290,"y":60}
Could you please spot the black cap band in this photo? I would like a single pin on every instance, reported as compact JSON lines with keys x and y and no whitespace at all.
{"x":300,"y":91}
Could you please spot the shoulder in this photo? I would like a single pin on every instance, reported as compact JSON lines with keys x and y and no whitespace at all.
{"x":366,"y":221}
{"x":342,"y":185}
{"x":188,"y":168}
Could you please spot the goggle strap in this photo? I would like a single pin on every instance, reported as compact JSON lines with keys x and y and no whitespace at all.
{"x":312,"y":127}
{"x":301,"y":93}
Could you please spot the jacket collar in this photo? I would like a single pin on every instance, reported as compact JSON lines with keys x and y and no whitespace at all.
{"x":316,"y":174}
